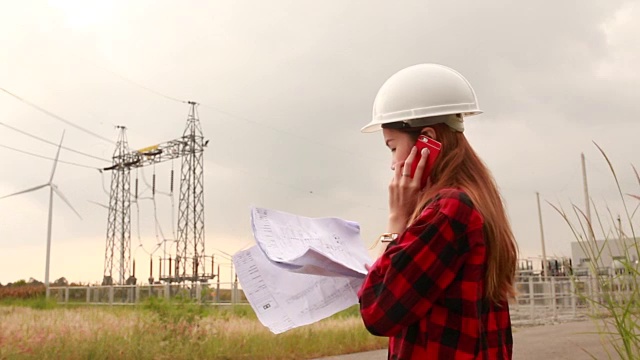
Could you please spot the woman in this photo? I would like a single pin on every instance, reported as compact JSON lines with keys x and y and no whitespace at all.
{"x":441,"y":288}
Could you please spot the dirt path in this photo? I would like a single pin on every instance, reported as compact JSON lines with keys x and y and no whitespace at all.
{"x":568,"y":341}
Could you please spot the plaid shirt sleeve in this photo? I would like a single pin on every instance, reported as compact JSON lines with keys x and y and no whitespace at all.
{"x":403,"y":284}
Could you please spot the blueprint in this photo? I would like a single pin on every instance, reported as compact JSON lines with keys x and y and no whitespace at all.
{"x":283,"y":300}
{"x":320,"y":246}
{"x":301,"y":269}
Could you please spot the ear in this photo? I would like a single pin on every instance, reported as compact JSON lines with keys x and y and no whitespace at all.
{"x":429,"y":132}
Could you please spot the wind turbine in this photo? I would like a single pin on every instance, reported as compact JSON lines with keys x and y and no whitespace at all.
{"x":52,"y":189}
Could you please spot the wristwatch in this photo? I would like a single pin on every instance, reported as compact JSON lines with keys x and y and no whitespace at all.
{"x":388,"y":237}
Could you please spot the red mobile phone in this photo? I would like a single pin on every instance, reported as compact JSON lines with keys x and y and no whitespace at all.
{"x":434,"y":149}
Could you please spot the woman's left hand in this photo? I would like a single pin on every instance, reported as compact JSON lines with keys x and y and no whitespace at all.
{"x":404,"y":191}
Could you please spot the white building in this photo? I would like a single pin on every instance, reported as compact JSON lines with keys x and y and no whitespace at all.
{"x":605,"y":255}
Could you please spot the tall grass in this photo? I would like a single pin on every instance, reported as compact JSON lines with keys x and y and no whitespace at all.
{"x":163,"y":330}
{"x":615,"y":304}
{"x":39,"y":302}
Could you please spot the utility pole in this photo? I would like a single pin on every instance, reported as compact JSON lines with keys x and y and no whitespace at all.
{"x":586,"y":200}
{"x":620,"y":232}
{"x":544,"y":251}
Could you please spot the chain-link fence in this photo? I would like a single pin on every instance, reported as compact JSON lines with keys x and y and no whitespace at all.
{"x":556,"y":299}
{"x":540,"y":300}
{"x":220,"y":293}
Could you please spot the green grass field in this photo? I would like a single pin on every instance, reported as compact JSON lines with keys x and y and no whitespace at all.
{"x":37,"y":329}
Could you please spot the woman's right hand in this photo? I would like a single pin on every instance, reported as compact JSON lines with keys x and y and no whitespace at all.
{"x":404,"y":191}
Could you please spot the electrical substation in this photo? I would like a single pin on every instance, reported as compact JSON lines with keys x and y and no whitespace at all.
{"x":185,"y":260}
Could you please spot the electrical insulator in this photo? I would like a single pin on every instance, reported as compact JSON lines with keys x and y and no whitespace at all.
{"x":171,"y":187}
{"x":153,"y":185}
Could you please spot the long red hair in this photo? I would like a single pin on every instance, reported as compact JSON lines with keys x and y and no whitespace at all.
{"x":459,"y":166}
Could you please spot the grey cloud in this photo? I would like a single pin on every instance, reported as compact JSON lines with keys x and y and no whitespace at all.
{"x":551,"y":78}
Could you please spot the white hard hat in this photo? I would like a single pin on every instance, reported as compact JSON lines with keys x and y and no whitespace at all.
{"x":422,"y":91}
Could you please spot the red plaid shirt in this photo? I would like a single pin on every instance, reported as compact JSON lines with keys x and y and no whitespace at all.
{"x":426,"y":292}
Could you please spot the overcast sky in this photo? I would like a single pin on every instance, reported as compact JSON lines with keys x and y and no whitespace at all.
{"x":285,"y":87}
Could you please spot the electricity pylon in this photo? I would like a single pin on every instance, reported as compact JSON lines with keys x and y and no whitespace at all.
{"x":119,"y":219}
{"x":190,"y":257}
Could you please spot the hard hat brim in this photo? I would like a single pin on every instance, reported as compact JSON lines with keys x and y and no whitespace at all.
{"x":376,"y":125}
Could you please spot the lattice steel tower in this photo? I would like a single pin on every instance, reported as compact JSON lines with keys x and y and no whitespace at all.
{"x":119,"y":220}
{"x":190,"y":250}
{"x":189,"y":262}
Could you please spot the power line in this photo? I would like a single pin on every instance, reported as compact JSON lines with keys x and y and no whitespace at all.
{"x":305,"y":191}
{"x":52,"y":143}
{"x":41,"y":109}
{"x":141,"y":86}
{"x":48,"y":158}
{"x":247,"y":120}
{"x":292,"y":134}
{"x":210,"y":107}
{"x":260,"y":124}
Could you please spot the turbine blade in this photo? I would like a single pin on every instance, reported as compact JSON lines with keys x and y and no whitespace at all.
{"x":55,"y":162}
{"x":99,"y":204}
{"x":59,"y":193}
{"x":25,"y":191}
